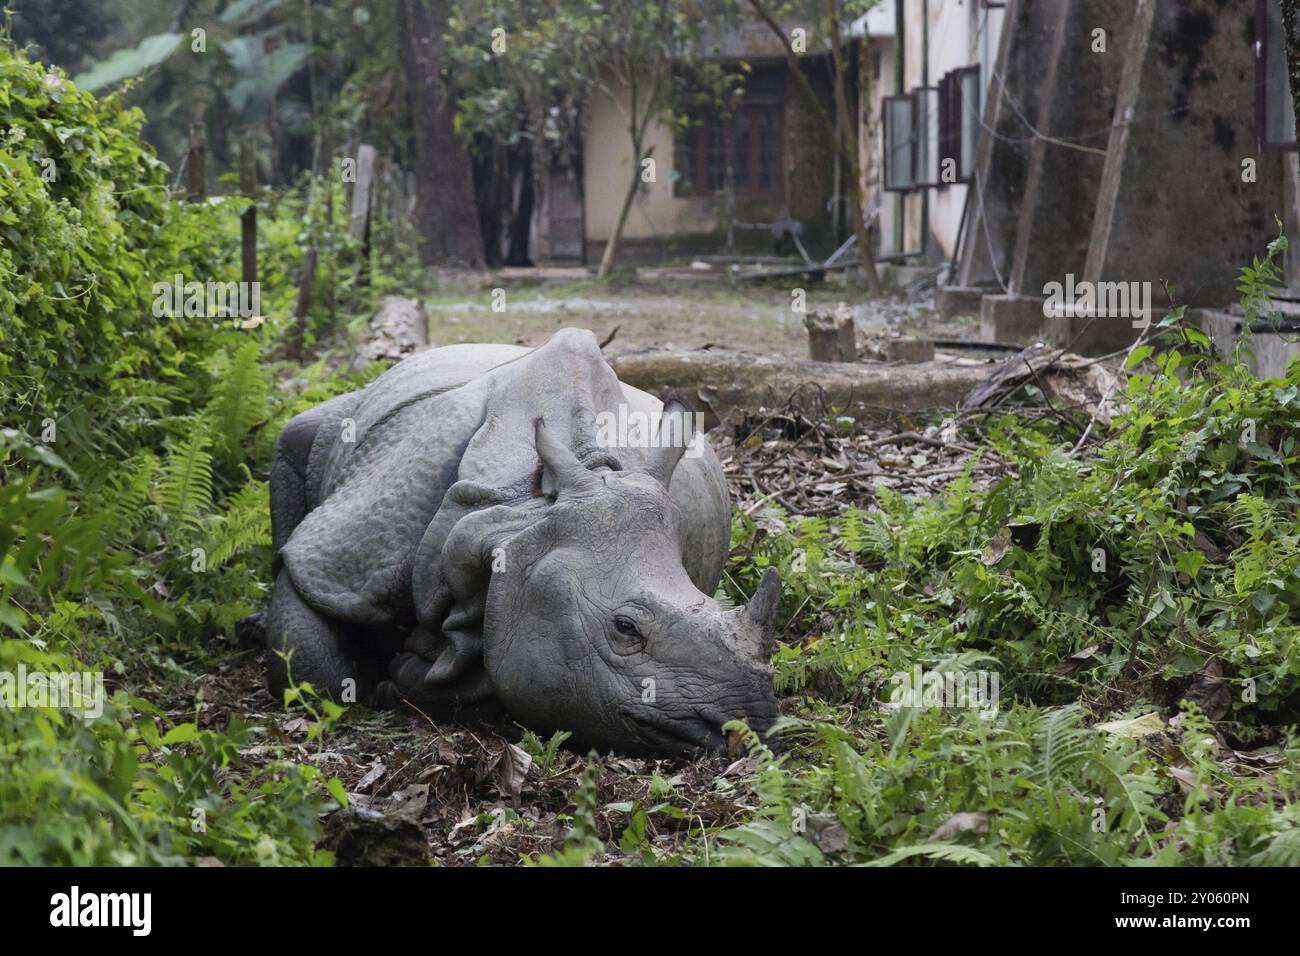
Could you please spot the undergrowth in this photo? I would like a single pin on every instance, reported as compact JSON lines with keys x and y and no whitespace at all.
{"x":133,"y":506}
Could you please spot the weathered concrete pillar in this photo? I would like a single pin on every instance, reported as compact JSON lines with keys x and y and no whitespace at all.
{"x":1068,"y":151}
{"x":999,"y":180}
{"x":1172,"y":98}
{"x":1172,"y":204}
{"x":1050,"y":100}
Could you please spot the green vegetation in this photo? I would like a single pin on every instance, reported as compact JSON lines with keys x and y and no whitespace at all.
{"x":1156,"y":577}
{"x":1138,"y":598}
{"x":132,"y":495}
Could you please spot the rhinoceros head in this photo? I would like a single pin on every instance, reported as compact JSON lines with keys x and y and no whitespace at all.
{"x":594,"y":626}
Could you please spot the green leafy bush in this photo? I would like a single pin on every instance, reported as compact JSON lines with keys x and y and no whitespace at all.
{"x":133,"y":512}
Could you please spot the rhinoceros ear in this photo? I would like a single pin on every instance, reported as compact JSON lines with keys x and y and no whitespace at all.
{"x":571,"y":477}
{"x":762,"y":607}
{"x":676,"y":431}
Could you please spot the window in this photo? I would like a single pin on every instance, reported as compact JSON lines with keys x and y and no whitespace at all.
{"x":747,"y":144}
{"x":925,"y":112}
{"x":896,"y":114}
{"x":1274,"y":114}
{"x":959,"y":124}
{"x":911,"y":139}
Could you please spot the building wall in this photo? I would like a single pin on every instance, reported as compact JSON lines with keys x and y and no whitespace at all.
{"x":608,"y":164}
{"x":953,"y":27}
{"x":664,"y":224}
{"x":875,"y":64}
{"x":960,"y":33}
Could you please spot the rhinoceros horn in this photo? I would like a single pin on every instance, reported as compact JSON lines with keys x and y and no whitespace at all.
{"x":572,"y":479}
{"x":672,"y":440}
{"x":762,"y":608}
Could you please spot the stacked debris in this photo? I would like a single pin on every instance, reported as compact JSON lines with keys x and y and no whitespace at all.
{"x":820,"y":467}
{"x":817,"y":462}
{"x":1054,"y":377}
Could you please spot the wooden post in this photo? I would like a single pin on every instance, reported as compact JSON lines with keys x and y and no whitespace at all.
{"x":196,"y":163}
{"x":248,"y":219}
{"x":363,"y":191}
{"x":831,"y":336}
{"x":329,"y":230}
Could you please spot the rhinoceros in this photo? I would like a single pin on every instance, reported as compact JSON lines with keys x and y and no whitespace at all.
{"x":458,"y":536}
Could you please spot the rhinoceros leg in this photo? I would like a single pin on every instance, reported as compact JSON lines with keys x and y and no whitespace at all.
{"x":318,"y":648}
{"x":290,"y":499}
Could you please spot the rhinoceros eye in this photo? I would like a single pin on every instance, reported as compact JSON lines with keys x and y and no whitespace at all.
{"x":630,"y":635}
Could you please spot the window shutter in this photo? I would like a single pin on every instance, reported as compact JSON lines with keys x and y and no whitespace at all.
{"x":925,"y":125}
{"x":899,"y":143}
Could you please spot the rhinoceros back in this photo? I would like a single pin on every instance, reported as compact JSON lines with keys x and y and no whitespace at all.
{"x":464,"y":412}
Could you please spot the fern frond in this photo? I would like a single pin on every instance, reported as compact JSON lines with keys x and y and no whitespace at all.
{"x":946,"y":852}
{"x":1282,"y":850}
{"x":244,"y":524}
{"x":1126,"y":784}
{"x":851,"y":532}
{"x":240,"y":399}
{"x":185,"y":484}
{"x":769,"y":778}
{"x":767,"y":843}
{"x":1061,"y":742}
{"x":128,"y":495}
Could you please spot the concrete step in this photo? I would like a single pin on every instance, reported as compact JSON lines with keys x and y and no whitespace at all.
{"x":1270,"y":352}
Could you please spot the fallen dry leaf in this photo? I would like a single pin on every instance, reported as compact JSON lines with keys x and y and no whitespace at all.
{"x":512,"y":770}
{"x":998,"y":547}
{"x":825,"y":830}
{"x":373,"y":774}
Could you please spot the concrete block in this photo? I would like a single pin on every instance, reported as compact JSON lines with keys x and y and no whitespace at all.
{"x":905,"y":349}
{"x":1011,"y":319}
{"x":954,"y":300}
{"x":1267,"y":354}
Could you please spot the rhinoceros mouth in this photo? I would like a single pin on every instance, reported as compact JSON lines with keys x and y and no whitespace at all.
{"x":678,"y":734}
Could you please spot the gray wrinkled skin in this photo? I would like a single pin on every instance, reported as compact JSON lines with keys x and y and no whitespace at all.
{"x":452,"y":536}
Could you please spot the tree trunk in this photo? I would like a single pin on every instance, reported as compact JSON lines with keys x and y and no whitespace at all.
{"x":638,"y":122}
{"x":847,"y":145}
{"x":1291,"y":37}
{"x":524,"y":201}
{"x":248,"y":218}
{"x":446,"y":219}
{"x":196,"y":162}
{"x":611,"y":244}
{"x":846,"y":137}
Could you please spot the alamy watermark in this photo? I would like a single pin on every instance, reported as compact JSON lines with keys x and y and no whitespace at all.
{"x":215,"y":300}
{"x":973,"y":690}
{"x":1098,"y":300}
{"x":630,"y":428}
{"x":83,"y":691}
{"x":133,"y":911}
